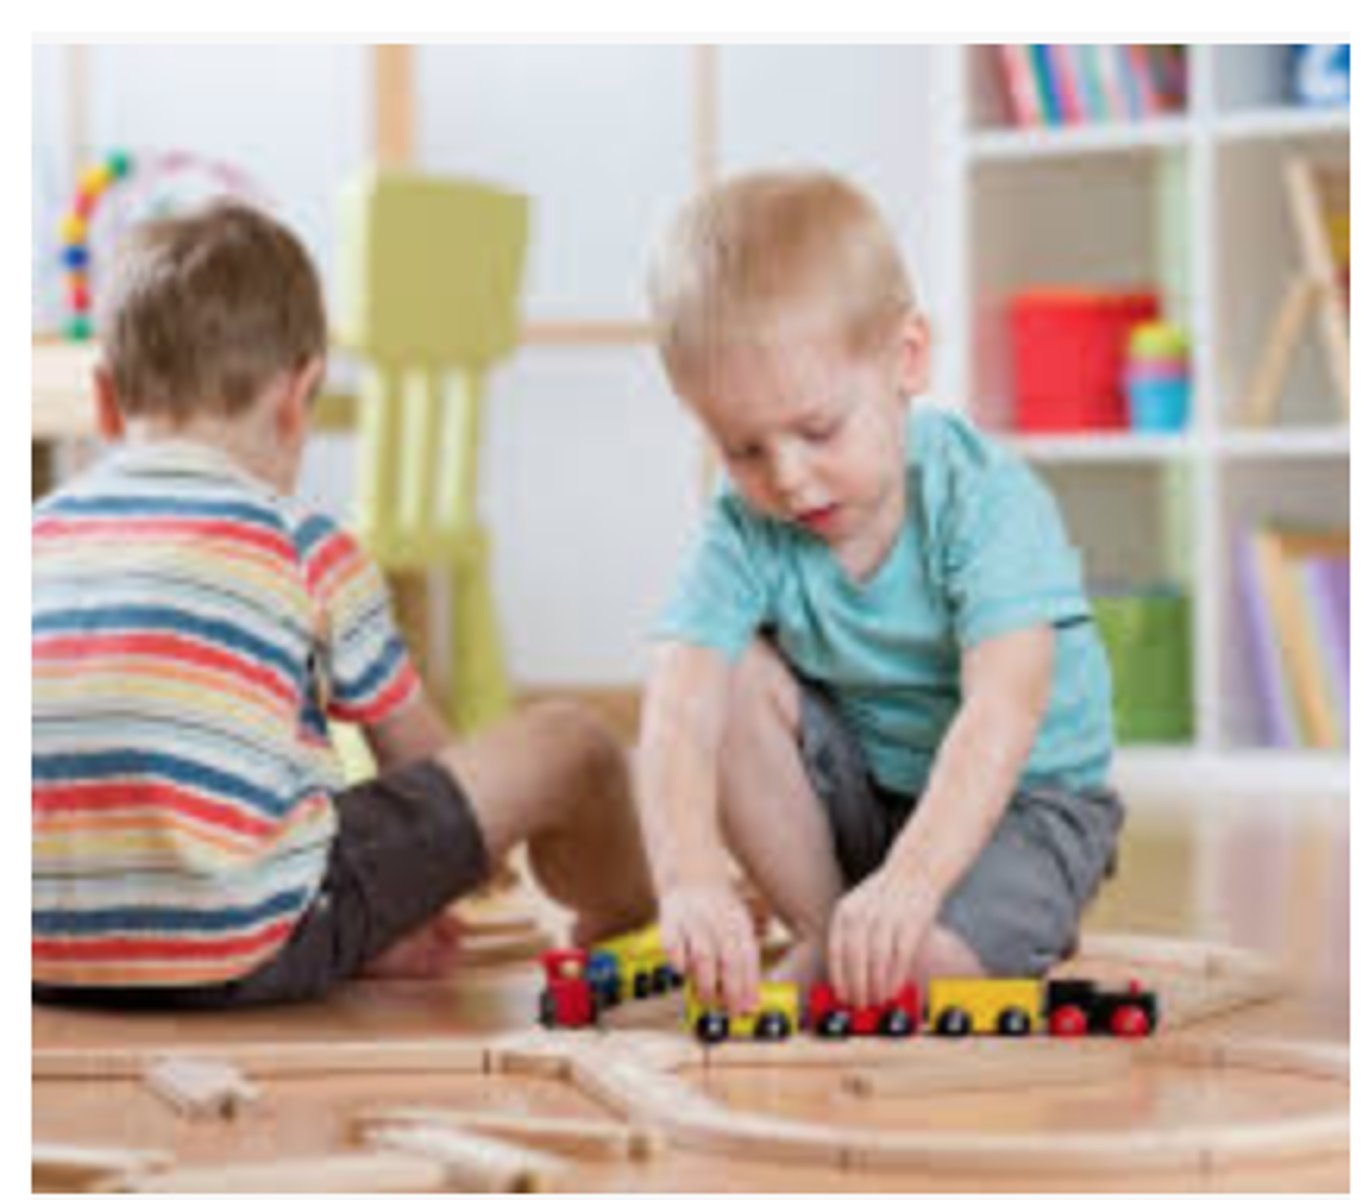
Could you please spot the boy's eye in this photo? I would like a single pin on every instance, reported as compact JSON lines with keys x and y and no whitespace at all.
{"x":822,"y":432}
{"x":742,"y":454}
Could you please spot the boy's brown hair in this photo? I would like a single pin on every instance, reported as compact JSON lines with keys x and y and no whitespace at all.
{"x":766,"y":246}
{"x":201,"y":311}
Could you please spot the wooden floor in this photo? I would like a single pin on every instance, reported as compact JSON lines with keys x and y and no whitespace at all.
{"x":1271,"y":876}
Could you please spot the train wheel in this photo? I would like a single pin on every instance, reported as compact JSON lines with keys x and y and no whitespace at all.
{"x":712,"y":1027}
{"x":1069,"y":1020}
{"x":772,"y":1027}
{"x":1014,"y":1022}
{"x":641,"y":985}
{"x":953,"y":1022}
{"x":664,"y":979}
{"x":1129,"y":1021}
{"x":835,"y":1024}
{"x":546,"y":1010}
{"x":896,"y":1023}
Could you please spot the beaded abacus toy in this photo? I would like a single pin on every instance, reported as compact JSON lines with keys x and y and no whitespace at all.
{"x":146,"y":185}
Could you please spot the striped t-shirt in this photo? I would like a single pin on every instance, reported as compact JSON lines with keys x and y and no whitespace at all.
{"x":192,"y":633}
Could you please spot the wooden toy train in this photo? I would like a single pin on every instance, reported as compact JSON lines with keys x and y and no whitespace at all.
{"x":582,"y":984}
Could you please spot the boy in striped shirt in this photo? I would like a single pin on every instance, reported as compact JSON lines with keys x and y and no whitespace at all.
{"x":195,"y":628}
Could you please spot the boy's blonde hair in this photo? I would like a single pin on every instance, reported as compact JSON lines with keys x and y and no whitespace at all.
{"x":203,"y":310}
{"x":762,"y":247}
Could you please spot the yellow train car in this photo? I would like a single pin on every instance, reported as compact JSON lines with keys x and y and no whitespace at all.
{"x":631,"y":966}
{"x":1005,"y":1007}
{"x":775,"y":1017}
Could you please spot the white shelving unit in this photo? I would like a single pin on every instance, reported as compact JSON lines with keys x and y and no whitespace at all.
{"x":1193,"y":205}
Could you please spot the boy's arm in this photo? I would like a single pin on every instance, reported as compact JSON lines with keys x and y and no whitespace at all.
{"x":412,"y":732}
{"x":878,"y":928}
{"x":704,"y":925}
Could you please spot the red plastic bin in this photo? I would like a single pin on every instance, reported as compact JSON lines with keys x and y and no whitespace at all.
{"x":1069,"y":350}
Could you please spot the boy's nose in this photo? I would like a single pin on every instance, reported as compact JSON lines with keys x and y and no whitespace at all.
{"x":788,"y":472}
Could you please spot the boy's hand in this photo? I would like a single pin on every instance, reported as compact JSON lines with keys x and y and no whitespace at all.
{"x":876,"y":931}
{"x":707,"y":933}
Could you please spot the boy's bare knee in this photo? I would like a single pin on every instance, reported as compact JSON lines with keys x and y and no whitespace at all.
{"x":763,"y":689}
{"x":946,"y":955}
{"x":584,"y":738}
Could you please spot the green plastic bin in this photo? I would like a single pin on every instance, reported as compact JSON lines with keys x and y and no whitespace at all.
{"x":1147,"y":633}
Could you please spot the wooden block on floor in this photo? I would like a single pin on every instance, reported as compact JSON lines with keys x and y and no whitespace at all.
{"x":201,"y":1087}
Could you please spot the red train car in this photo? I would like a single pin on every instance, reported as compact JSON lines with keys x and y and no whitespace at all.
{"x":567,"y":1001}
{"x":1076,"y":1007}
{"x":828,"y":1017}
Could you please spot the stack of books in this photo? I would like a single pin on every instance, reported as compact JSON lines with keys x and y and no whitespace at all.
{"x":1295,"y":586}
{"x":1072,"y":84}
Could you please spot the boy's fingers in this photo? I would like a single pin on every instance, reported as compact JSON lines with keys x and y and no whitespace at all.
{"x":906,"y":941}
{"x":674,"y":947}
{"x":703,"y":965}
{"x":742,"y":970}
{"x":853,"y":958}
{"x":883,"y":960}
{"x":836,"y":959}
{"x":860,"y":965}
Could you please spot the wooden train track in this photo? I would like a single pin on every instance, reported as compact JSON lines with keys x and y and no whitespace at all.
{"x":649,"y":1080}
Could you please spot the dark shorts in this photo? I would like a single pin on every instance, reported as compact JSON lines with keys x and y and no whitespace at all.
{"x":408,"y":844}
{"x":1018,"y":906}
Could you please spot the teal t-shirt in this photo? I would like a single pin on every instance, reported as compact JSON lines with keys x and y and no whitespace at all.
{"x":982,"y":552}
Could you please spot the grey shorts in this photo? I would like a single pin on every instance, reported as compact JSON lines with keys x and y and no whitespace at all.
{"x":408,"y":843}
{"x":1018,"y":906}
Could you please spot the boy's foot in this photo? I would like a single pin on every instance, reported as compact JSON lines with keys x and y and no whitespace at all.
{"x":430,"y":952}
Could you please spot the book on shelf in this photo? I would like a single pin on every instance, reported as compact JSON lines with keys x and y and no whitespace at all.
{"x":1295,"y":587}
{"x":1077,"y":84}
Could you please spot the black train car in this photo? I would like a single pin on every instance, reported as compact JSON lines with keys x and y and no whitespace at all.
{"x":1075,"y":1007}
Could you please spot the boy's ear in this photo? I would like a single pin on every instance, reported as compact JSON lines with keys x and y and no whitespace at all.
{"x":296,"y":397}
{"x":914,"y":354}
{"x":109,"y":418}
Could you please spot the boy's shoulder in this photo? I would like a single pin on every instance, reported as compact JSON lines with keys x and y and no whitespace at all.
{"x":943,"y":437}
{"x":951,"y":460}
{"x":183,"y":482}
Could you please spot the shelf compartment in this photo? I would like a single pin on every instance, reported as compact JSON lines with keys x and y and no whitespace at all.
{"x":1288,"y":492}
{"x":1256,"y":260}
{"x":1255,"y":78}
{"x":1129,"y":519}
{"x":1115,"y":222}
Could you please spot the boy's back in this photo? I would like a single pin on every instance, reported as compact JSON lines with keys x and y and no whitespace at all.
{"x":189,"y":628}
{"x":193,"y":632}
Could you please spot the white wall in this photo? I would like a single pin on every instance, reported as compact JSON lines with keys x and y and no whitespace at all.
{"x":593,"y":473}
{"x":295,"y":118}
{"x":51,"y":166}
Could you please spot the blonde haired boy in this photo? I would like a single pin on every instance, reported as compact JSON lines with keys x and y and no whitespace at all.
{"x":878,"y":683}
{"x":194,"y":629}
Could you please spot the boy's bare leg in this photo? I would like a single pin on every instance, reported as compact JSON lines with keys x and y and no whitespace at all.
{"x":428,"y":952}
{"x":555,"y":776}
{"x":772,"y":820}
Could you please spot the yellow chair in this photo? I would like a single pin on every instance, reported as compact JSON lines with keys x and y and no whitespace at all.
{"x":430,"y":271}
